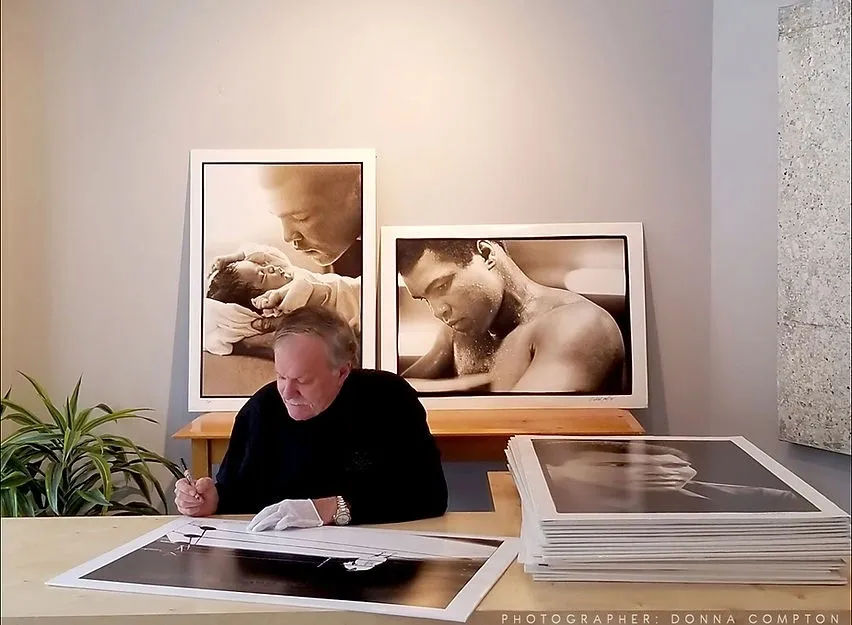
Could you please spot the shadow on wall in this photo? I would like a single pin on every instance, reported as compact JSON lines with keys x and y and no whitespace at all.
{"x":178,"y":414}
{"x":654,"y":418}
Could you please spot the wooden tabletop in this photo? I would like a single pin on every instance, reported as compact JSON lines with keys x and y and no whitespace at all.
{"x":210,"y":425}
{"x":35,"y":550}
{"x":471,"y":423}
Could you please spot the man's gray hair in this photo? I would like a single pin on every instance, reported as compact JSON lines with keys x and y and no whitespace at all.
{"x":339,"y":337}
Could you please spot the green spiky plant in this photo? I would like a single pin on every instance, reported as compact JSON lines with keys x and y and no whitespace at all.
{"x":62,"y":466}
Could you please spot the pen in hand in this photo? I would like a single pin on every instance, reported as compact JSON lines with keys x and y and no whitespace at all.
{"x":188,"y":475}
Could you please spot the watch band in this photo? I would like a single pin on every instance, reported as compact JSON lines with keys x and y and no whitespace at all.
{"x":342,"y":515}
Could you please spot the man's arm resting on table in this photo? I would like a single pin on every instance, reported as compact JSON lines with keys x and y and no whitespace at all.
{"x":400,"y":479}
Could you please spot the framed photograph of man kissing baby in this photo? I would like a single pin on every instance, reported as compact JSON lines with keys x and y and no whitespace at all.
{"x":514,"y":316}
{"x":274,"y":230}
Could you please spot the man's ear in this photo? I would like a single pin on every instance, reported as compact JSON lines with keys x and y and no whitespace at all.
{"x":486,"y":250}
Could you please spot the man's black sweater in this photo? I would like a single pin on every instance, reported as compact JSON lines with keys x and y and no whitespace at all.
{"x":372,"y":446}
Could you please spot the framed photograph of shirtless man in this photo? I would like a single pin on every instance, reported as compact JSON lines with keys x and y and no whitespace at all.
{"x":271,"y":231}
{"x":516,"y":315}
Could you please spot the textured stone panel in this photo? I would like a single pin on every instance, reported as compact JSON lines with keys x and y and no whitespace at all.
{"x":814,"y":403}
{"x":814,"y":230}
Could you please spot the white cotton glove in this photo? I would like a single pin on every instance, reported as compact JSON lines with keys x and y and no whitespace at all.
{"x":286,"y":514}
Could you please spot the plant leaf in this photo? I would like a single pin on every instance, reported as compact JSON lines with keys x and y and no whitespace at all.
{"x":23,"y":502}
{"x":77,"y":506}
{"x":95,"y":496}
{"x":104,"y":470}
{"x":29,"y":436}
{"x":30,"y":453}
{"x":81,"y":471}
{"x":3,"y":401}
{"x":6,"y":456}
{"x":130,"y":413}
{"x":75,"y":396}
{"x":140,"y":480}
{"x":8,"y":503}
{"x":62,"y":467}
{"x":85,"y":480}
{"x":144,"y":456}
{"x":72,"y":437}
{"x":69,"y":416}
{"x":17,"y":417}
{"x":54,"y":412}
{"x":81,"y":417}
{"x":14,"y":479}
{"x":51,"y":482}
{"x":142,"y":452}
{"x":22,"y":412}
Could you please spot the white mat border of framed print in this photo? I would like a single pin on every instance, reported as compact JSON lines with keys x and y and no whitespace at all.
{"x":199,"y":158}
{"x":351,"y":544}
{"x":527,"y":472}
{"x":634,"y":290}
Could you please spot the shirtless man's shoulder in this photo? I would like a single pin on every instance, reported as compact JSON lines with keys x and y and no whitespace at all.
{"x":573,"y":346}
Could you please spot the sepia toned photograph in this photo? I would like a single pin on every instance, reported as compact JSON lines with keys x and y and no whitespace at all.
{"x":441,"y":576}
{"x":642,"y":475}
{"x":273,"y":231}
{"x":650,"y":475}
{"x":516,"y":315}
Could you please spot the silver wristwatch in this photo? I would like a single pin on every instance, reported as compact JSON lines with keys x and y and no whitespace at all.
{"x":342,"y":516}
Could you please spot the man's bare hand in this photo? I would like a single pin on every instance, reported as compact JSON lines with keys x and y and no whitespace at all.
{"x":200,"y":501}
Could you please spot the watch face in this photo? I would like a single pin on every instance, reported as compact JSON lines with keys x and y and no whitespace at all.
{"x":342,"y":519}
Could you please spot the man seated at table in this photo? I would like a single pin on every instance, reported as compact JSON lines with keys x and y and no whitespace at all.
{"x":326,"y":443}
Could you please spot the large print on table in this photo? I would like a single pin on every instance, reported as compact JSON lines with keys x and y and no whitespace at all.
{"x":271,"y":231}
{"x":383,"y":571}
{"x":516,"y":315}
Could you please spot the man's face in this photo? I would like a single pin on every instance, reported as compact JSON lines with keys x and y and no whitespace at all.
{"x":306,"y":380}
{"x":262,"y":277}
{"x":643,"y":470}
{"x":464,"y":298}
{"x":320,"y":213}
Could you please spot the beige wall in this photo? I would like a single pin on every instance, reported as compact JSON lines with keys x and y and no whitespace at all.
{"x":494,"y":110}
{"x":26,"y":282}
{"x":497,"y":110}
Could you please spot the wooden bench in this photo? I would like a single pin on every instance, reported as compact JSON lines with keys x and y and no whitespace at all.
{"x":467,"y":435}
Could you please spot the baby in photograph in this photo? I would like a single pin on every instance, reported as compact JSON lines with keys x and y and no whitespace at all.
{"x":249,"y":287}
{"x":252,"y":278}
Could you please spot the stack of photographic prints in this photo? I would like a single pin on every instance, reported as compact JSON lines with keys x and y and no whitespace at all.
{"x":671,"y":509}
{"x":382,"y":571}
